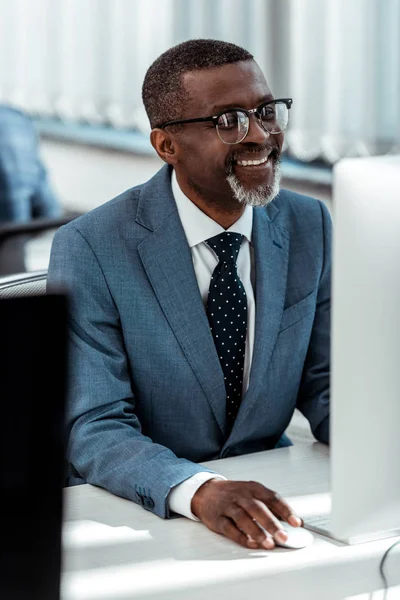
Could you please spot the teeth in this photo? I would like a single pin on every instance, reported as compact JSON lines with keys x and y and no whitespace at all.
{"x":245,"y":163}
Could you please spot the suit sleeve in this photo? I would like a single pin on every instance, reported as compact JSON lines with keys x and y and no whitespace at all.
{"x":314,"y":393}
{"x":105,"y":444}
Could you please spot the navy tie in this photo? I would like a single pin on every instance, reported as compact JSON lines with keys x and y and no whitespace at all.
{"x":227,"y":314}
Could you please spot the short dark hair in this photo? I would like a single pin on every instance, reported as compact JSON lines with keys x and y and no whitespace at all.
{"x":163,"y":92}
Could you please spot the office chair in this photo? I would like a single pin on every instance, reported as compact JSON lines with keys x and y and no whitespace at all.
{"x":14,"y":236}
{"x":23,"y":284}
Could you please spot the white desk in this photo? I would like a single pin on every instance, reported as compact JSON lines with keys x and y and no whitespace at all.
{"x":115,"y":550}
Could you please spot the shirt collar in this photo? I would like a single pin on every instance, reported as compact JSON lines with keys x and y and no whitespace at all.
{"x":198,"y":226}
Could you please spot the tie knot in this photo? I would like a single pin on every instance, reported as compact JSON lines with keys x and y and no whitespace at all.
{"x":226,"y":245}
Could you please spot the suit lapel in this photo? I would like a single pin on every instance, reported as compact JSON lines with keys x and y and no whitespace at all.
{"x":271,"y":252}
{"x":167,"y":260}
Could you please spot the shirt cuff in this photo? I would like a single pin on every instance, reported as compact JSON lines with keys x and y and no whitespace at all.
{"x":180,"y":497}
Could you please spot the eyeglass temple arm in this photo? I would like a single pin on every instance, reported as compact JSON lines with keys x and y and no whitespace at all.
{"x":198,"y":120}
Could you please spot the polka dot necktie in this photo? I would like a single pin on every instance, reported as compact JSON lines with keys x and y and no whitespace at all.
{"x":227,"y":315}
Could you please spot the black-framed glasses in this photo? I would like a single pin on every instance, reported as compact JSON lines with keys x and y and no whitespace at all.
{"x":233,"y":125}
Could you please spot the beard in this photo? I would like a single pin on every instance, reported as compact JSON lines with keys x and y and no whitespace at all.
{"x":260,"y":195}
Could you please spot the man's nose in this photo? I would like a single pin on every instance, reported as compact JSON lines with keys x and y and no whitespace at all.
{"x":256,"y":134}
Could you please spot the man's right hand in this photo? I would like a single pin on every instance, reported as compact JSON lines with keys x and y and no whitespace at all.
{"x":233,"y":509}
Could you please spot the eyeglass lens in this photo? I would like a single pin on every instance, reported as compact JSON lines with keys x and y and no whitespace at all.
{"x":233,"y":125}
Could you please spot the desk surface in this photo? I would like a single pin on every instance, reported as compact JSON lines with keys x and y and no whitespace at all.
{"x":115,"y":550}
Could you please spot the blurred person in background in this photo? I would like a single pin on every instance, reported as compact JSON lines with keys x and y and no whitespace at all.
{"x":200,"y":304}
{"x":25,"y":192}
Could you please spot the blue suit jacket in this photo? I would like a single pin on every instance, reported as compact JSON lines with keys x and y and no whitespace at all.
{"x":25,"y":192}
{"x":147,"y":394}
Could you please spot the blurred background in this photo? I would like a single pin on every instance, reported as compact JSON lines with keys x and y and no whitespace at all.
{"x":75,"y":68}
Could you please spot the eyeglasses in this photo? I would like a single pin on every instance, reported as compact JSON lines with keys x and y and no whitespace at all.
{"x":233,"y":125}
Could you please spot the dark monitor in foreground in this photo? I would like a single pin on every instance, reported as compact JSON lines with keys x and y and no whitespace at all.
{"x":33,"y":347}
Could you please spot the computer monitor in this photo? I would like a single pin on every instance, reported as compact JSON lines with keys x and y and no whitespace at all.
{"x":365,"y":361}
{"x":33,"y":344}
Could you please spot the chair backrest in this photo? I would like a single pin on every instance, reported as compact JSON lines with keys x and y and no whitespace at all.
{"x":15,"y":238}
{"x":23,"y":284}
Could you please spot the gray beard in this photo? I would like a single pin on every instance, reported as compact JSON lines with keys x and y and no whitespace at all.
{"x":260,"y":195}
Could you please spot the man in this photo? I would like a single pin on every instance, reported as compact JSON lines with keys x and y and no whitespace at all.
{"x":25,"y":192}
{"x":200,"y":315}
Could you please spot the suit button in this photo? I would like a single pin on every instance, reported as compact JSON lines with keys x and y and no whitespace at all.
{"x":148,"y":502}
{"x":139,"y":498}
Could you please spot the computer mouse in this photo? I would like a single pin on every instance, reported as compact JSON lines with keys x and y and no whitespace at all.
{"x":298,"y":537}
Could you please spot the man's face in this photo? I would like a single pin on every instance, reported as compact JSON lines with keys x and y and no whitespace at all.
{"x":214,"y":170}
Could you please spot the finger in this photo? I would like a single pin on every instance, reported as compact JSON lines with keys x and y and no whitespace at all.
{"x":276,"y":504}
{"x":228,"y":529}
{"x":288,"y":514}
{"x":264,"y":517}
{"x":295,"y":521}
{"x":246,"y":523}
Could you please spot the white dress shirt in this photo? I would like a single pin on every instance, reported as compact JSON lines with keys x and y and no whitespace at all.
{"x":198,"y":228}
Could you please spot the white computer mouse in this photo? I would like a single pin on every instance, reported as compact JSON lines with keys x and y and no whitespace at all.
{"x":298,"y":537}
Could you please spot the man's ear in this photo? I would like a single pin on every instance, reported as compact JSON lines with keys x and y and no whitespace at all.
{"x":164,"y":145}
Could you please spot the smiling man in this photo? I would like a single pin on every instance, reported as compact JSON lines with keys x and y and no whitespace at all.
{"x":200,"y":303}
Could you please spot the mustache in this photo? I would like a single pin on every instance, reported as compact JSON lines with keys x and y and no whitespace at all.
{"x":235,"y":156}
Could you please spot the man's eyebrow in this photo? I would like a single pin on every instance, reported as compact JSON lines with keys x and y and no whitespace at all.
{"x":217,"y":108}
